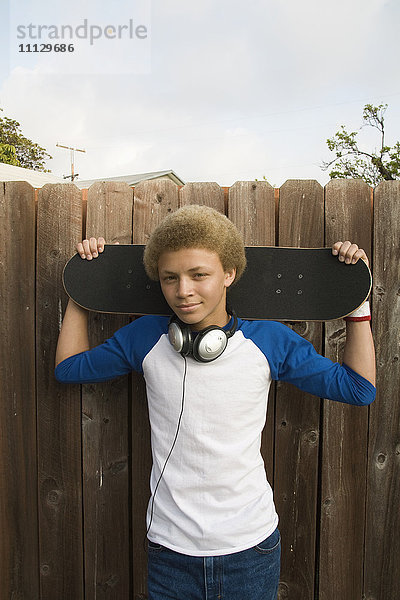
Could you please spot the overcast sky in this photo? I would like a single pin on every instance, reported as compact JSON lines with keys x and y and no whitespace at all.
{"x":215,"y":90}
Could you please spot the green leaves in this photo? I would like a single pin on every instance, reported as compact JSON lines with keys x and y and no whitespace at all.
{"x":16,"y":149}
{"x":352,"y":162}
{"x":8,"y":155}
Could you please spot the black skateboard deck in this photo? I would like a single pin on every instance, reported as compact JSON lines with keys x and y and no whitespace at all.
{"x":281,"y":284}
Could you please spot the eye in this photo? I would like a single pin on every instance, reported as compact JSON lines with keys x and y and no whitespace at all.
{"x":168,"y":278}
{"x":200,"y":275}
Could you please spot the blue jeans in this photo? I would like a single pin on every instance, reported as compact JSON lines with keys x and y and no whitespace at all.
{"x":248,"y":575}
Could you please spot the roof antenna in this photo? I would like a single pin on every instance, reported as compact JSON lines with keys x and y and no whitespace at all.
{"x":72,"y":150}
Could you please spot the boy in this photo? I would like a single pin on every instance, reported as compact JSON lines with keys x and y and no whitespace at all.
{"x":212,"y":524}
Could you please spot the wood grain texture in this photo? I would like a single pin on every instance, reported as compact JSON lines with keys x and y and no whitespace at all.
{"x":251,"y":207}
{"x":106,"y":425}
{"x":18,"y":458}
{"x":152,"y":202}
{"x":345,"y":428}
{"x":301,"y":223}
{"x":204,"y":194}
{"x":59,"y":406}
{"x":54,"y":536}
{"x":382,"y":551}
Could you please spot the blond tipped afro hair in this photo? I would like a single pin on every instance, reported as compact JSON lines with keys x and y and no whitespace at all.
{"x":196,"y":226}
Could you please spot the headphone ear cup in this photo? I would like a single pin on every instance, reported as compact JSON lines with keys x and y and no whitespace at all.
{"x":206,"y":345}
{"x":209,"y":344}
{"x":180,"y":337}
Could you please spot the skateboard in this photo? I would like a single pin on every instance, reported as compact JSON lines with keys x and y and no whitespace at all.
{"x":281,"y":284}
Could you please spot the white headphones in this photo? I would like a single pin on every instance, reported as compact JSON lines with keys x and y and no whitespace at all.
{"x":205,"y":345}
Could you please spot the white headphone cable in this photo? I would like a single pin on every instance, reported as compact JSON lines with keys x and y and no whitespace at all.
{"x":172,"y":447}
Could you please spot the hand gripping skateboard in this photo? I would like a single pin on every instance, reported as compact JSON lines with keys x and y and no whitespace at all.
{"x":282,"y":284}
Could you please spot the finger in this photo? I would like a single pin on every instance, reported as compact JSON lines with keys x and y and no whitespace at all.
{"x":353,"y":248}
{"x":100,"y":244}
{"x":360,"y":254}
{"x":343,"y":250}
{"x":93,"y":247}
{"x":336,"y":248}
{"x":86,"y":248}
{"x":80,"y":250}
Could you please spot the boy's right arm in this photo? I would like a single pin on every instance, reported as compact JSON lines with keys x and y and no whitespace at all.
{"x":73,"y":337}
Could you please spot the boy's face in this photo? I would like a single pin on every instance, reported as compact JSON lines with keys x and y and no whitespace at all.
{"x":194,"y":284}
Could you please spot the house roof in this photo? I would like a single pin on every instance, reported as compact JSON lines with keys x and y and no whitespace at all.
{"x":37,"y":179}
{"x":132,"y":179}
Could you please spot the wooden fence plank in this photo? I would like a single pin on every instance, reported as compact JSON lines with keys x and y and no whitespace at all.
{"x":301,"y":223}
{"x":203,"y":193}
{"x":251,"y":206}
{"x":153,"y":200}
{"x":382,"y":560}
{"x":19,"y":573}
{"x":345,"y":428}
{"x":59,"y":406}
{"x":106,"y":427}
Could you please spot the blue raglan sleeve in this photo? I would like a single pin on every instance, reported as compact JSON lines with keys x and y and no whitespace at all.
{"x":120,"y":354}
{"x":293,"y":359}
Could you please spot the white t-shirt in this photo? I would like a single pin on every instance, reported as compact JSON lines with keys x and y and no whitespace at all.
{"x":213,"y":498}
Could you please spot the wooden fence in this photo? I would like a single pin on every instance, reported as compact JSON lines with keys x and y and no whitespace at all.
{"x":74,"y":461}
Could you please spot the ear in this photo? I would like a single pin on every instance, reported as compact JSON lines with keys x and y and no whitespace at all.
{"x":229,"y":277}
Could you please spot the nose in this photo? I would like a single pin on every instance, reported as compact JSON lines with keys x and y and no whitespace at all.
{"x":184,"y":287}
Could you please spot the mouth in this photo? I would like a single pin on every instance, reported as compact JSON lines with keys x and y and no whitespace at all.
{"x":188,"y":307}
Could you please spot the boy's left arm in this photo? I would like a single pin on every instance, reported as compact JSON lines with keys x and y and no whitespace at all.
{"x":359,"y":352}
